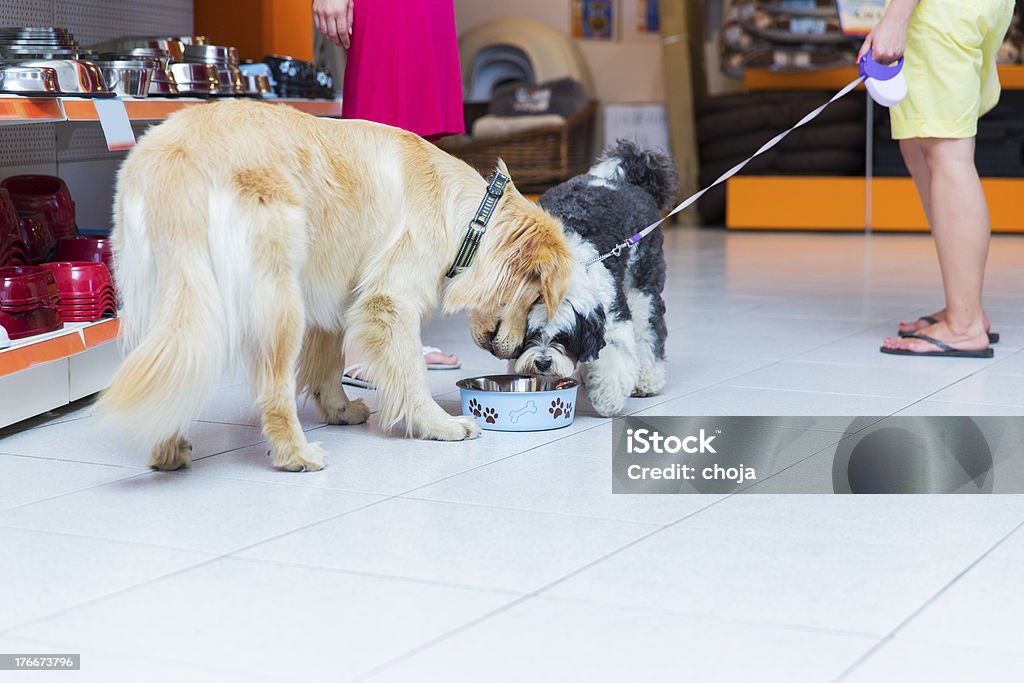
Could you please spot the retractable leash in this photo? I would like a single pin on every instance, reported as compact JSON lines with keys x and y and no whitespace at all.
{"x":885,"y":84}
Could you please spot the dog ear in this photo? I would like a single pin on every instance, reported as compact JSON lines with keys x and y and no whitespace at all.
{"x":551,"y":263}
{"x":589,"y":335}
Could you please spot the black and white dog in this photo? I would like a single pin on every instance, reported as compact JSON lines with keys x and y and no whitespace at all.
{"x":612,"y":322}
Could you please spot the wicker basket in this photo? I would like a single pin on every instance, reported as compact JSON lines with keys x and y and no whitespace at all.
{"x":537,"y":158}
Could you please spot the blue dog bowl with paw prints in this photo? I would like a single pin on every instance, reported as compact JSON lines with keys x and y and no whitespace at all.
{"x":519,"y":403}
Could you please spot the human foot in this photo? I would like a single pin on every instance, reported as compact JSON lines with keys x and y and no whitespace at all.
{"x":926,"y":321}
{"x":940,"y":340}
{"x":436,"y":359}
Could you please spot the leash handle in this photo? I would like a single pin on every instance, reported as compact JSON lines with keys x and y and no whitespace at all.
{"x":632,"y":241}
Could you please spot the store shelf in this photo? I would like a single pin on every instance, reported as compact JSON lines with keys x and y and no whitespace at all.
{"x":1010,"y":75}
{"x":14,"y":109}
{"x":48,"y":371}
{"x":835,"y":203}
{"x":46,"y":348}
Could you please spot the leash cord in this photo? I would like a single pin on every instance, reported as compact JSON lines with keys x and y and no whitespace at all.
{"x":635,"y":239}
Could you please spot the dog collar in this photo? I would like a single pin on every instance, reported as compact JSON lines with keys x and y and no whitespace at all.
{"x":478,"y":226}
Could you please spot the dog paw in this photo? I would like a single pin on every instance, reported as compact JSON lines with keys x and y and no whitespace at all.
{"x":452,"y":429}
{"x":171,"y":455}
{"x":608,"y":406}
{"x":308,"y":459}
{"x":351,"y":413}
{"x":643,"y":393}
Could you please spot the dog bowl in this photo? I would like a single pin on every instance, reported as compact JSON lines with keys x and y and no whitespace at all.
{"x":34,"y":81}
{"x":46,"y":194}
{"x":23,"y":285}
{"x":519,"y":403}
{"x":35,"y":233}
{"x":26,"y":324}
{"x":9,"y":230}
{"x":13,"y":255}
{"x":195,"y":79}
{"x":128,"y":77}
{"x":78,"y":279}
{"x":85,"y":248}
{"x":74,"y":76}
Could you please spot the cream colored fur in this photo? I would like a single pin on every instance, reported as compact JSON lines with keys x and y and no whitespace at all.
{"x":252,"y":231}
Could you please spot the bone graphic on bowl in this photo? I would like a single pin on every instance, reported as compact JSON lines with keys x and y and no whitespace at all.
{"x":514,"y":416}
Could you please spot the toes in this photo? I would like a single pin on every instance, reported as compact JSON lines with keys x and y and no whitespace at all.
{"x":309,"y":459}
{"x":453,"y":429}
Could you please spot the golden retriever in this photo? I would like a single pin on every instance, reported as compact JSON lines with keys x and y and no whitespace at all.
{"x":254,"y":231}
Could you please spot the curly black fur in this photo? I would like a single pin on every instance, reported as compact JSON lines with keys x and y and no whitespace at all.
{"x":648,"y":169}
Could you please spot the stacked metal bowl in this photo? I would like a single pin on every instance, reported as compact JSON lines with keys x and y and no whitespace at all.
{"x":31,"y":42}
{"x":171,"y":75}
{"x":224,"y":60}
{"x":47,"y":61}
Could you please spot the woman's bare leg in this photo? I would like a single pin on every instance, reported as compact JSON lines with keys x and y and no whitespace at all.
{"x":960,"y":226}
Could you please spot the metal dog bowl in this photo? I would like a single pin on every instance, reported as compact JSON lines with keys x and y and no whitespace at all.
{"x":75,"y":76}
{"x":127,"y":77}
{"x":519,"y":403}
{"x":28,"y":80}
{"x":195,"y":79}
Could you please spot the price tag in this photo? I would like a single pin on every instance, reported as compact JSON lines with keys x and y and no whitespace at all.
{"x":858,"y":17}
{"x":117,"y":128}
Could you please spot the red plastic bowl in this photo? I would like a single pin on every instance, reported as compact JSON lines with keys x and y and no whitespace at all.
{"x":91,"y":318}
{"x":36,"y":321}
{"x":46,"y":194}
{"x":13,"y":256}
{"x":87,"y":300}
{"x":35,"y":233}
{"x":52,"y":302}
{"x":77,"y":279}
{"x":21,"y":285}
{"x":85,"y":248}
{"x":98,"y":306}
{"x":9,"y":232}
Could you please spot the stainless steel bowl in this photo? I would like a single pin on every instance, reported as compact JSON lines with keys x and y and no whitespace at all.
{"x":258,"y":85}
{"x":174,"y":48}
{"x":16,"y":53}
{"x":161,"y":81}
{"x":128,"y":78}
{"x":211,"y":54}
{"x":74,"y":76}
{"x":29,"y":80}
{"x":195,"y":79}
{"x":516,"y":384}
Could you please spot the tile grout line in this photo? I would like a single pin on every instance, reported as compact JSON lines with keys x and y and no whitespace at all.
{"x":233,"y":552}
{"x":528,"y":596}
{"x":927,"y":603}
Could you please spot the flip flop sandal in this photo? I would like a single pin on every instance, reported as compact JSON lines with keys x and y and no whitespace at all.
{"x":427,"y":350}
{"x":993,"y":337}
{"x":947,"y":350}
{"x":349,"y":377}
{"x":350,"y":374}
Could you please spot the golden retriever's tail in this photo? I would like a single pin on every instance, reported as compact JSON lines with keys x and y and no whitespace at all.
{"x":172,"y":317}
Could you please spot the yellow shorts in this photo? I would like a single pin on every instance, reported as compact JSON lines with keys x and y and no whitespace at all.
{"x":951,"y":67}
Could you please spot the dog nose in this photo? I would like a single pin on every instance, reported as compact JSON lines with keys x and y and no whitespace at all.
{"x":542,"y":364}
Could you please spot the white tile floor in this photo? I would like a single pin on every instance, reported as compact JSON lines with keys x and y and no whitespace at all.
{"x":508,"y":558}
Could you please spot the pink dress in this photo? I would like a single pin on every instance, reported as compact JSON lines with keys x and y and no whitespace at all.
{"x":402,"y":67}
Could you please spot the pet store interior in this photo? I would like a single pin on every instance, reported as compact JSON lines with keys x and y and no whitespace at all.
{"x":508,"y":557}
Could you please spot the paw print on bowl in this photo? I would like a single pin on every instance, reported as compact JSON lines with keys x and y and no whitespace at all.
{"x":558,"y":409}
{"x":490,"y":415}
{"x":474,"y":407}
{"x":568,"y":411}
